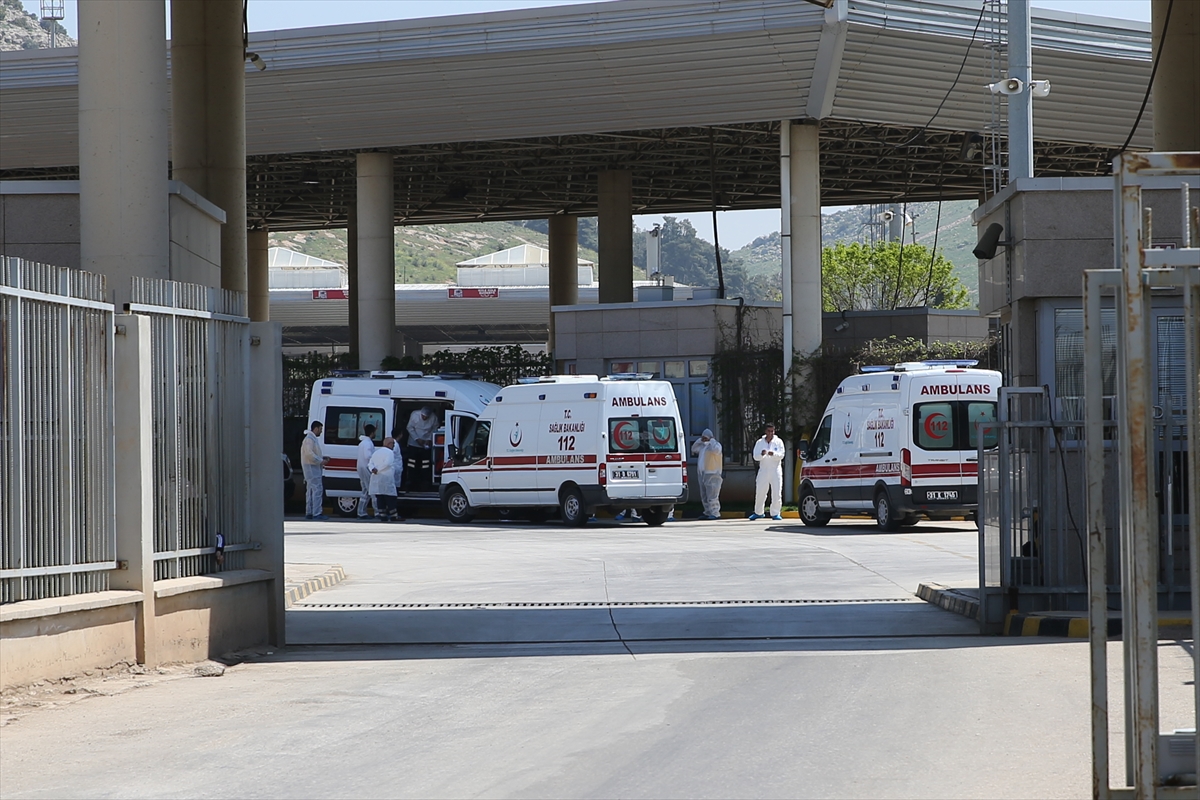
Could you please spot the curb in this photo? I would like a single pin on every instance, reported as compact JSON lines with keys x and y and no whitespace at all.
{"x":1070,"y":627}
{"x":298,"y":591}
{"x":949,"y":599}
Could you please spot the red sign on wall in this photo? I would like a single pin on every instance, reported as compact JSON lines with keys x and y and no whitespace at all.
{"x":330,"y":294}
{"x":456,"y":293}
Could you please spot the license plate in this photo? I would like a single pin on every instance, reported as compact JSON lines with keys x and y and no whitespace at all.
{"x":625,"y":474}
{"x":941,"y":495}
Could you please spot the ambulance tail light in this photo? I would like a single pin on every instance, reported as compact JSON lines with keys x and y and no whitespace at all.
{"x":603,"y":474}
{"x":685,"y":475}
{"x":905,"y":467}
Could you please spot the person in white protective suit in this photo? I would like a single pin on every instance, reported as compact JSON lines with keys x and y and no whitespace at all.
{"x":709,"y":459}
{"x":422,"y":425}
{"x":366,"y":448}
{"x":383,"y":481}
{"x":313,"y":461}
{"x":398,"y":464}
{"x":768,"y":452}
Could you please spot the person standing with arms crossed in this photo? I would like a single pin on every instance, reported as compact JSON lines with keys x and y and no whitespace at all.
{"x":768,"y":452}
{"x":708,"y":454}
{"x":366,"y":448}
{"x":313,"y":462}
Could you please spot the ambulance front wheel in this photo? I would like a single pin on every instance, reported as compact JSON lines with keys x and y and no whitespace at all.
{"x":810,"y":509}
{"x":572,"y":508}
{"x":885,"y":514}
{"x":458,"y":507}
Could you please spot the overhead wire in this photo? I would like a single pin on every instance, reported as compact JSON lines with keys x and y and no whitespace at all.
{"x":1153,"y":71}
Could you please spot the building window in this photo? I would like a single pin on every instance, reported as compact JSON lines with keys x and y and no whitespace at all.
{"x":1172,"y":363}
{"x":698,"y":369}
{"x":674,"y":370}
{"x":649,"y":367}
{"x":620,"y":367}
{"x":1069,"y":359}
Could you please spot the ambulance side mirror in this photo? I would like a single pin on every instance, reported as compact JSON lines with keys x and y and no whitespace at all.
{"x":453,"y":451}
{"x":802,"y":450}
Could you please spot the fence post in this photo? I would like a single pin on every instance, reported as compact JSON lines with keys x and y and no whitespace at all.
{"x":135,"y":473}
{"x":266,"y":464}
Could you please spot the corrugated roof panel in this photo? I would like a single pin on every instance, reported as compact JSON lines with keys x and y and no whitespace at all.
{"x":879,"y":85}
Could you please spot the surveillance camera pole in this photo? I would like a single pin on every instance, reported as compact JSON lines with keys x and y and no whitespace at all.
{"x":1020,"y":104}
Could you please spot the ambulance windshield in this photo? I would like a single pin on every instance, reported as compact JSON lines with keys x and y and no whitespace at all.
{"x":642,"y":435}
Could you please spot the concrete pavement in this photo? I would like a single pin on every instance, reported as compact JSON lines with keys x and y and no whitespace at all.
{"x":430,"y":582}
{"x":824,"y":713}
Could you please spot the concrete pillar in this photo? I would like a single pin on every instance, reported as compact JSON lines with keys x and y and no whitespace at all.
{"x":208,"y":116}
{"x":615,"y":232}
{"x":266,"y":469}
{"x":258,"y":274}
{"x":895,"y":232}
{"x":134,"y":468}
{"x":800,"y":232}
{"x":803,"y":273}
{"x":352,"y":274}
{"x":376,"y":259}
{"x":564,"y":266}
{"x":124,"y":224}
{"x":1177,"y":84}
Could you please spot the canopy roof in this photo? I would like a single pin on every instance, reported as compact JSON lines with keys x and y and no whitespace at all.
{"x":510,"y":115}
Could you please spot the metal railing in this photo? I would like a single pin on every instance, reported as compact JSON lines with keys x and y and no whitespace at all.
{"x":200,"y":353}
{"x":1142,"y":523}
{"x":57,"y":490}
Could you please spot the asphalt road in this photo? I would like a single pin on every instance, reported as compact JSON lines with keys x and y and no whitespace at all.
{"x":809,"y":709}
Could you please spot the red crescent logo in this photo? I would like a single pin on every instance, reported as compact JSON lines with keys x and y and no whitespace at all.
{"x":625,"y":435}
{"x":936,"y":426}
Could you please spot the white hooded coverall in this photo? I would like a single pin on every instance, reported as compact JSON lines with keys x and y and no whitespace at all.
{"x":312,"y":462}
{"x":708,"y":467}
{"x":366,"y":447}
{"x":769,"y":456}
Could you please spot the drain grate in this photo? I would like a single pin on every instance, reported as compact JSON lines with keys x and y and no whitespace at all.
{"x":632,"y":604}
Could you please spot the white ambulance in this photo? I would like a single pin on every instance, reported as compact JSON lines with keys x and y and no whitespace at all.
{"x":349,"y":400}
{"x":900,"y":442}
{"x":571,"y":442}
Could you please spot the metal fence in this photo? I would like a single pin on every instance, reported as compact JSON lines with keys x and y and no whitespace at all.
{"x":57,"y":490}
{"x":1159,"y":462}
{"x":200,"y":353}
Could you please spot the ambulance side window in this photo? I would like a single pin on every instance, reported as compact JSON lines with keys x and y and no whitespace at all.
{"x":933,"y":426}
{"x":820,"y":442}
{"x":344,"y":424}
{"x":981,"y":412}
{"x":475,"y":443}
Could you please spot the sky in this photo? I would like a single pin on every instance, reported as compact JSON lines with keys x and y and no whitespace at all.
{"x":736,"y":228}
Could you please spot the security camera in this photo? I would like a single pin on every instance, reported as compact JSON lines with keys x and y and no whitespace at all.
{"x":887,"y":216}
{"x":257,"y":61}
{"x":841,"y":326}
{"x":1007,"y":86}
{"x":989,"y":241}
{"x":1039,"y":88}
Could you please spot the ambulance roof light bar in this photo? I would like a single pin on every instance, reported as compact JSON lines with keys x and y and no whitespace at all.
{"x":629,"y":376}
{"x":912,"y":366}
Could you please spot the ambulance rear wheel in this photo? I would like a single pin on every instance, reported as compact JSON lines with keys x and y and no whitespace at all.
{"x":654,"y":516}
{"x":458,"y":507}
{"x":885,"y":514}
{"x":346,"y":506}
{"x":810,"y":509}
{"x":572,"y":508}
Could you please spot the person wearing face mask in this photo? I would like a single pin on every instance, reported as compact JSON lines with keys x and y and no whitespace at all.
{"x":768,"y":452}
{"x":709,"y":459}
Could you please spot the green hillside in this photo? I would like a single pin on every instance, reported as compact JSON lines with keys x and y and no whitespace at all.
{"x":428,"y":253}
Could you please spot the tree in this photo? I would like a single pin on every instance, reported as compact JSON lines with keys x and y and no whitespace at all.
{"x":857,"y":277}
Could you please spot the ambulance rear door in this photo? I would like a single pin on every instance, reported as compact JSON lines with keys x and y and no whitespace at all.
{"x":935,"y":456}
